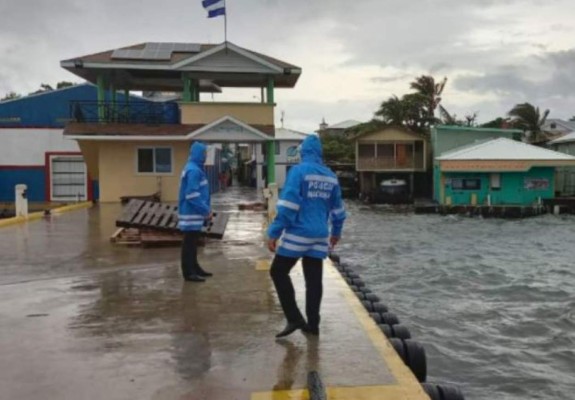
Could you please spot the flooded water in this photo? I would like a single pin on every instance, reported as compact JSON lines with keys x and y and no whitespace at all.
{"x":492,"y":301}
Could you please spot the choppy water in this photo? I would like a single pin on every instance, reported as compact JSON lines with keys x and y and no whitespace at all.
{"x":492,"y":301}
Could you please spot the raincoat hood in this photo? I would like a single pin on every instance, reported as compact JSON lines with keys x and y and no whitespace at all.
{"x":198,"y":154}
{"x":311,"y":150}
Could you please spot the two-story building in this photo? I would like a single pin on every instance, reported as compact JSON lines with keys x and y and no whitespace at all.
{"x":144,"y":155}
{"x":392,"y":164}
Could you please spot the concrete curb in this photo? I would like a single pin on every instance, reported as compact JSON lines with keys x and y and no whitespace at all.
{"x":41,"y":214}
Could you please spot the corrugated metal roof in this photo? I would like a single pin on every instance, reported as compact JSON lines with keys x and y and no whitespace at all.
{"x":503,"y":149}
{"x":564,"y":139}
{"x":288,"y":134}
{"x":567,"y":125}
{"x":350,"y":123}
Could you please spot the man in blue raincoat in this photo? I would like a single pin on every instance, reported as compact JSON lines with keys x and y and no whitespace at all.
{"x":193,"y":211}
{"x":310,"y":199}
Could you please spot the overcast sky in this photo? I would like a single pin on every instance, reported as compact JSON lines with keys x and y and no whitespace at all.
{"x":354,"y":54}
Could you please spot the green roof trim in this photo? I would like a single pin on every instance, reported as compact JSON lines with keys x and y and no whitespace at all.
{"x":473,"y":129}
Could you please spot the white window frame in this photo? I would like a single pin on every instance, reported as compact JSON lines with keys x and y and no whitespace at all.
{"x":154,"y":173}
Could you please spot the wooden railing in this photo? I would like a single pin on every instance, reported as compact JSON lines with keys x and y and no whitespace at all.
{"x":389,"y":163}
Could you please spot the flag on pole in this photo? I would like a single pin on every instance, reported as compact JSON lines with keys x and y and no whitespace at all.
{"x":215,"y":8}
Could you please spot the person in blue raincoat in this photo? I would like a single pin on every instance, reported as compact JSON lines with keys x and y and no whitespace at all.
{"x":310,"y":199}
{"x":193,"y":211}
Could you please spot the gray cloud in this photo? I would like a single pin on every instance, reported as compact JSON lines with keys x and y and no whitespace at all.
{"x":476,"y":43}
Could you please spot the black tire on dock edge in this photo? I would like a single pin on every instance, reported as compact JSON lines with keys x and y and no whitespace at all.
{"x":417,"y":360}
{"x":368,"y":305}
{"x":380,"y":308}
{"x":401,"y":332}
{"x":450,"y":392}
{"x":442,"y":392}
{"x":372,"y":297}
{"x":389,"y":318}
{"x":413,"y":355}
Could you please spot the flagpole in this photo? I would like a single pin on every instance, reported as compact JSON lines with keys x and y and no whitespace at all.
{"x":226,"y":24}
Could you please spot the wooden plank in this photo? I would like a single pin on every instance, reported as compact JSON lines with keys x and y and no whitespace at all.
{"x":129,"y":213}
{"x":155,"y":221}
{"x":138,"y":222}
{"x":217,"y":226}
{"x":116,"y":234}
{"x":151,"y":214}
{"x":166,"y":216}
{"x":159,"y":239}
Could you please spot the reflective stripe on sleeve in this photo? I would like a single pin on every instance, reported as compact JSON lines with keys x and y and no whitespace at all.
{"x":288,"y":204}
{"x":192,"y":195}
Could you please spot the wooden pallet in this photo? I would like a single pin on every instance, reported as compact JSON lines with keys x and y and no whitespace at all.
{"x":145,"y":238}
{"x":163,"y":217}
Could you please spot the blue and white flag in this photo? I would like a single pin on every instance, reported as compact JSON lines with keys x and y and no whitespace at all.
{"x":215,"y":8}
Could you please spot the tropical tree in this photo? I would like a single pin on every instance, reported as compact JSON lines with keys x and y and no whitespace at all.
{"x":431,"y":91}
{"x":393,"y":111}
{"x":528,"y":117}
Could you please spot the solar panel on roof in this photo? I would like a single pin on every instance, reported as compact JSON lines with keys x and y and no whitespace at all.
{"x":156,"y":51}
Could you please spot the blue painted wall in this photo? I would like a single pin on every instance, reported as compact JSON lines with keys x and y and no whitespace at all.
{"x":52,"y":109}
{"x":33,"y":177}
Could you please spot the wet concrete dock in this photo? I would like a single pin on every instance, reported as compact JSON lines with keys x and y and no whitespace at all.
{"x":83,"y":319}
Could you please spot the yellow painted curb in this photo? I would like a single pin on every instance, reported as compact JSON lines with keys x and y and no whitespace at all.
{"x":20,"y":220}
{"x":263,"y":265}
{"x":39,"y":215}
{"x":406,"y":386}
{"x":71,"y":207}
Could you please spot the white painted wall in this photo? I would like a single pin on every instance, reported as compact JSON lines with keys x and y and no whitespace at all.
{"x":28,"y":146}
{"x":281,"y":162}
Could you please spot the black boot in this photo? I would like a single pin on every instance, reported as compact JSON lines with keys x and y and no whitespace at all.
{"x":311,"y":330}
{"x":201,"y":272}
{"x":194,"y":278}
{"x":290,"y":328}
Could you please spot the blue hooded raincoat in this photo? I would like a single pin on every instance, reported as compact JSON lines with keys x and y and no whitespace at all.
{"x":194,"y":199}
{"x":310,"y":198}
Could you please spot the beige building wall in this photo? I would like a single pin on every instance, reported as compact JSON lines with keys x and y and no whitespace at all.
{"x":118,"y":174}
{"x":206,"y":113}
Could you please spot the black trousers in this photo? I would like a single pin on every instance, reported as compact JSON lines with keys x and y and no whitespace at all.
{"x":189,"y":261}
{"x":313,"y":272}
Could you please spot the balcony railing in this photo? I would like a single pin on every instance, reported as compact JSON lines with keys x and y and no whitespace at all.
{"x":125,"y":113}
{"x":389,"y":163}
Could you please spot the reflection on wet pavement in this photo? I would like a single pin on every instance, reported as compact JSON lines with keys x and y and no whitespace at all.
{"x":84,"y":319}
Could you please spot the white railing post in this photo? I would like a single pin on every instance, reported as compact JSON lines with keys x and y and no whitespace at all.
{"x":271,"y":195}
{"x":21,"y":199}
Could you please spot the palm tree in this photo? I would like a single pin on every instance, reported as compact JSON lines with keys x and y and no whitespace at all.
{"x":431,"y":91}
{"x":527,"y":117}
{"x":392,"y":111}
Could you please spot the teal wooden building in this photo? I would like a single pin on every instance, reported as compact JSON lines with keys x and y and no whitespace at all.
{"x":495,"y":171}
{"x":565,"y":177}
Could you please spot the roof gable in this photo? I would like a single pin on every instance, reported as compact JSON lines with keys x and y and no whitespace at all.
{"x":228,"y":59}
{"x":228,"y":129}
{"x":390,"y":133}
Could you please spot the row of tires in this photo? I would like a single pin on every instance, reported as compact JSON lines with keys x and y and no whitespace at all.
{"x":411,"y":352}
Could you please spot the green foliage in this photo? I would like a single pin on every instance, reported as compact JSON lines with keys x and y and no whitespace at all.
{"x":11,"y":96}
{"x":64,"y":84}
{"x":497,"y":123}
{"x":338,"y":149}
